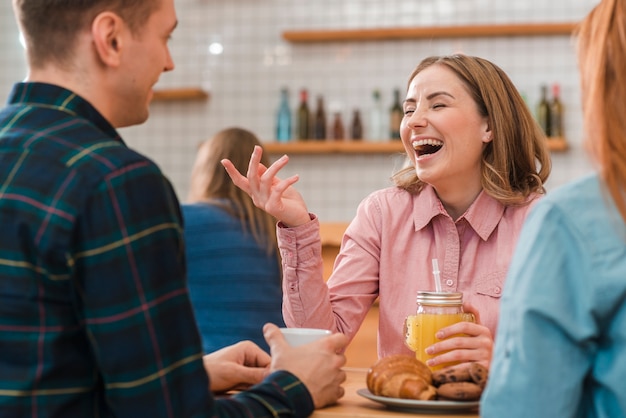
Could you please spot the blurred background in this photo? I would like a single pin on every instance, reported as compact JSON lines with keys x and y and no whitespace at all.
{"x":235,"y":52}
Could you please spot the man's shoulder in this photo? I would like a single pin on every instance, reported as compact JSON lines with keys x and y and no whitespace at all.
{"x":71,"y":143}
{"x":59,"y":135}
{"x":82,"y":160}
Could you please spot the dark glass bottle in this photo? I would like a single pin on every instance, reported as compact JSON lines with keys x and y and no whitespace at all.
{"x":319,"y":126}
{"x":556,"y":113}
{"x":283,"y":119}
{"x":339,"y":133}
{"x":356,"y":129}
{"x":395,"y":116}
{"x":304,"y":116}
{"x":543,"y":111}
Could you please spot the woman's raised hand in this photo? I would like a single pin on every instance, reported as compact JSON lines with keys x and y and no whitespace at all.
{"x":268,"y":192}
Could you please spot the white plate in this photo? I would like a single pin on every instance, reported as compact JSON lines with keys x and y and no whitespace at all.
{"x":420,"y":406}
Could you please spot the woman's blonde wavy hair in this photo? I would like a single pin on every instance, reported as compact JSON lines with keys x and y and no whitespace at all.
{"x":516,"y":162}
{"x":602,"y":62}
{"x":210,"y":183}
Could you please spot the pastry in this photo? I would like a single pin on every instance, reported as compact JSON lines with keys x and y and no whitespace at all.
{"x":459,"y":391}
{"x":401,"y":376}
{"x":458,"y":373}
{"x":404,"y":376}
{"x":462,"y":382}
{"x":478,"y":373}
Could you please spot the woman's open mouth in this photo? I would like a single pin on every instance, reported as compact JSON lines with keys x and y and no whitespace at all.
{"x":426,"y":146}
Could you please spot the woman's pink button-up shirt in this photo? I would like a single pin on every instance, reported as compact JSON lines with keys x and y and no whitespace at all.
{"x":387,"y":252}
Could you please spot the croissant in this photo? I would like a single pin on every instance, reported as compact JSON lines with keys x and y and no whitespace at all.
{"x":401,"y":376}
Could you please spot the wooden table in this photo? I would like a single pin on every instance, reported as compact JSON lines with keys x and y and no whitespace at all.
{"x":355,"y":406}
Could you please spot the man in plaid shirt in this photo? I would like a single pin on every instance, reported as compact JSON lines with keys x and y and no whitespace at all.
{"x":95,"y":318}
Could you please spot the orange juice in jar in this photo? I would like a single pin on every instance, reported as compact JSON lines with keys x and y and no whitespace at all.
{"x":435,"y":310}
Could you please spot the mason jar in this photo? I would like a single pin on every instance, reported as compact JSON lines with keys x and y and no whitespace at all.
{"x":435,"y":310}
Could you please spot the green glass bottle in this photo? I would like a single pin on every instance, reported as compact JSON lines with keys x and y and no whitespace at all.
{"x":304,"y":117}
{"x":395,"y":116}
{"x":543,"y":111}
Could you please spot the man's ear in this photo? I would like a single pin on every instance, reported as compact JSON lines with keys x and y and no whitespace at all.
{"x":106,"y":31}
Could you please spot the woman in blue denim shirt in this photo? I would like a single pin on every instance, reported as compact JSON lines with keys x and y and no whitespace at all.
{"x":561,"y":348}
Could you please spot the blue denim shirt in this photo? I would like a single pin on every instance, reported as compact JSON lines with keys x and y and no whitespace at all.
{"x":561,"y":345}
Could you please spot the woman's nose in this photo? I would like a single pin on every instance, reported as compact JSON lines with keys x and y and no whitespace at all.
{"x":417,"y":118}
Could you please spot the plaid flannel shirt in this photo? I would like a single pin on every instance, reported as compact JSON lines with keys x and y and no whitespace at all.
{"x":95,"y":317}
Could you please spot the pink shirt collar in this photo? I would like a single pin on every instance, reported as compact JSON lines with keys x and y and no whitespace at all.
{"x":483,"y":215}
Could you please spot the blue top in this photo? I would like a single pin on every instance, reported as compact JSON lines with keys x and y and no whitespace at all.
{"x":561,"y":344}
{"x":95,"y":318}
{"x":233,"y":283}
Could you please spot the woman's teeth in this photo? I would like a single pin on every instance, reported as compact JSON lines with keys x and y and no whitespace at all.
{"x":427,"y":146}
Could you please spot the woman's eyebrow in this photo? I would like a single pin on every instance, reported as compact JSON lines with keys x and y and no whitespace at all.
{"x":429,"y":97}
{"x":438,"y":93}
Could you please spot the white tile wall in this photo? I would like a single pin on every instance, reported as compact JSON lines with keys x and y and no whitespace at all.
{"x":245,"y":80}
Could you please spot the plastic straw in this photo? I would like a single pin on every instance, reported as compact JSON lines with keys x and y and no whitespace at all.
{"x":436,"y":274}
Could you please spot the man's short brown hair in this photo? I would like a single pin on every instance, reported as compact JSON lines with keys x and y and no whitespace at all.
{"x":50,"y":27}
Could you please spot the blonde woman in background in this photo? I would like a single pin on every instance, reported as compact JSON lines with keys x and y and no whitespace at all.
{"x":232,"y":257}
{"x":561,"y":350}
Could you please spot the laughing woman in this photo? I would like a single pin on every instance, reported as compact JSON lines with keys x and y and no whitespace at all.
{"x":477,"y":164}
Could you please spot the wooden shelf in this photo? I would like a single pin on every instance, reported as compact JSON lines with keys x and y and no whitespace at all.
{"x":557,"y":144}
{"x":361,"y":147}
{"x":333,"y":147}
{"x":431,"y":32}
{"x":191,"y":93}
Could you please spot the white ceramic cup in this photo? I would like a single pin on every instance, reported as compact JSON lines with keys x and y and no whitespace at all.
{"x":299,"y":336}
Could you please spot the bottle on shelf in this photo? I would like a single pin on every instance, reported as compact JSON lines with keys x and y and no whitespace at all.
{"x":376,"y":131}
{"x":543,"y":111}
{"x":338,"y":130}
{"x":395,"y":116}
{"x":283,"y":119}
{"x":319,"y":123}
{"x":356,"y":127}
{"x":556,"y":113}
{"x":304,"y":116}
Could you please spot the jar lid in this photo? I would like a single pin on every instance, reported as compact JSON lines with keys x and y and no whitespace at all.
{"x":439,"y":298}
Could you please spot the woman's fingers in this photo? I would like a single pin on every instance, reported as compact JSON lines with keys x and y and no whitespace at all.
{"x":253,"y":169}
{"x":481,"y":356}
{"x":461,"y":342}
{"x":259,"y":180}
{"x":238,"y":179}
{"x":268,"y":191}
{"x":269,"y":179}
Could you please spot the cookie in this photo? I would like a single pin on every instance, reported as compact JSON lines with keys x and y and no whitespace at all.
{"x":478,"y":373}
{"x":450,"y":374}
{"x":459,"y":391}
